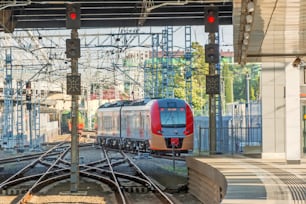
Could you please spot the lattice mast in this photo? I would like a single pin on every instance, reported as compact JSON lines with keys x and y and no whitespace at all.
{"x":20,"y":119}
{"x":167,"y":63}
{"x":188,"y":65}
{"x":7,"y":135}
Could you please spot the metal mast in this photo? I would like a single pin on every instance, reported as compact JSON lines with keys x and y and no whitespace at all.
{"x":19,"y":123}
{"x":188,"y":65}
{"x":151,"y":71}
{"x":8,"y":103}
{"x":167,"y":63}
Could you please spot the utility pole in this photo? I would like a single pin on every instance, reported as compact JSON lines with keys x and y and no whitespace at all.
{"x":74,"y":88}
{"x":248,"y":106}
{"x":212,"y":79}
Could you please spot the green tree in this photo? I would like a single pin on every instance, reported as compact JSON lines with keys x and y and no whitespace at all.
{"x":200,"y":70}
{"x":240,"y":77}
{"x":227,"y":76}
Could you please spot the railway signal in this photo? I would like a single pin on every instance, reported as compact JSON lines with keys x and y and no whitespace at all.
{"x":211,"y":20}
{"x":211,"y":23}
{"x":28,"y":95}
{"x":73,"y":16}
{"x":73,"y":48}
{"x":213,"y":84}
{"x":212,"y":53}
{"x":73,"y":21}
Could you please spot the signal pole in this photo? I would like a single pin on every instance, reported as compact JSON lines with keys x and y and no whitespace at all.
{"x":212,"y":80}
{"x":74,"y":88}
{"x":74,"y":125}
{"x":29,"y":108}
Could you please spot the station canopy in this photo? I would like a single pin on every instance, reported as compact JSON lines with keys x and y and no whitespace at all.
{"x":269,"y":31}
{"x":113,"y":13}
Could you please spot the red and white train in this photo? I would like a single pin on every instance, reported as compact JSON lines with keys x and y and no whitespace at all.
{"x":157,"y":125}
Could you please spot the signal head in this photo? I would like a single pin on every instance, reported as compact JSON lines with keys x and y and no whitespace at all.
{"x":211,"y":20}
{"x":73,"y":14}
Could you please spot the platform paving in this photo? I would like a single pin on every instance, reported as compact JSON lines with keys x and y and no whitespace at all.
{"x":258,"y":181}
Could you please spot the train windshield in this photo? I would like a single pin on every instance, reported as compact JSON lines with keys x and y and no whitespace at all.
{"x":172,"y":117}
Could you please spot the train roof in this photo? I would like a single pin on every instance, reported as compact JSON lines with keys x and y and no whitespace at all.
{"x":126,"y":103}
{"x":140,"y":102}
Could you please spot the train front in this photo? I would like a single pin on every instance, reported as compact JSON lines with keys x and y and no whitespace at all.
{"x":171,"y":126}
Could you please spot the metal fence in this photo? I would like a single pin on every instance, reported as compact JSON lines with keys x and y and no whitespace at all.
{"x":232,"y":135}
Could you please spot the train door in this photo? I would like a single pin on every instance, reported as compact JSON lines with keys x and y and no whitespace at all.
{"x":147,"y":124}
{"x":304,"y":129}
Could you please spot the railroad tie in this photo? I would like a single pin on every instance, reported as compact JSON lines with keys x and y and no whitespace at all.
{"x":136,"y":189}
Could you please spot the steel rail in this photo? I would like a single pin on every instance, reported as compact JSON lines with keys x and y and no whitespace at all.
{"x":31,"y":177}
{"x":114,"y":178}
{"x":23,"y":158}
{"x":163,"y":197}
{"x":31,"y":165}
{"x":87,"y":170}
{"x":36,"y":185}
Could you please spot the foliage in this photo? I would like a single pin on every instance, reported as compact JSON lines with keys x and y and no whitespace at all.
{"x":228,"y":83}
{"x":200,"y":98}
{"x":243,"y":75}
{"x":233,"y":79}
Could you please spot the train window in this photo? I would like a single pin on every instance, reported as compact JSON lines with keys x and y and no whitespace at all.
{"x":107,"y":121}
{"x":171,"y":104}
{"x":173,"y":117}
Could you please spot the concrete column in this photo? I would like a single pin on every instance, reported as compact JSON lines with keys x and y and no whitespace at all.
{"x":293,"y":122}
{"x":273,"y":110}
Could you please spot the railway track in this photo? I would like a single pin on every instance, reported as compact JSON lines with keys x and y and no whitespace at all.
{"x":137,"y":176}
{"x":127,"y":182}
{"x":24,"y":157}
{"x":35,"y":181}
{"x":114,"y":168}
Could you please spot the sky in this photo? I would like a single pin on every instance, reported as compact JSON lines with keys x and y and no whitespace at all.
{"x":198,"y":35}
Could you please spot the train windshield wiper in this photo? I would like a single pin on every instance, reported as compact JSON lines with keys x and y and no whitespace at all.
{"x":173,"y":125}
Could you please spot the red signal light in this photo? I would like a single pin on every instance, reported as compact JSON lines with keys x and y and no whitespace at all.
{"x":73,"y":15}
{"x":211,"y":19}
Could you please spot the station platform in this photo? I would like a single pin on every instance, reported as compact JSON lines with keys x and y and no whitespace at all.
{"x":247,"y":180}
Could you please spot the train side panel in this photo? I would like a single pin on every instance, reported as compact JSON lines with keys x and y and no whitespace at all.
{"x":134,"y":124}
{"x":107,"y":124}
{"x":134,"y":128}
{"x":188,"y":140}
